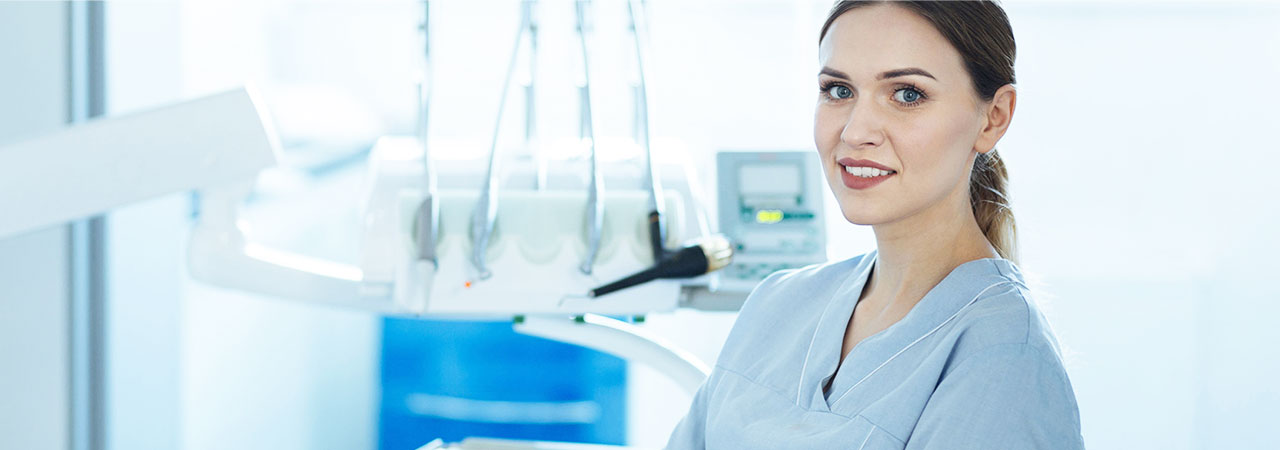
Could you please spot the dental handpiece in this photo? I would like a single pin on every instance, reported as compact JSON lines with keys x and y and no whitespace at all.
{"x":706,"y":255}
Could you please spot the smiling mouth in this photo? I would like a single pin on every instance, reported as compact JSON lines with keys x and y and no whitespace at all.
{"x":867,"y":172}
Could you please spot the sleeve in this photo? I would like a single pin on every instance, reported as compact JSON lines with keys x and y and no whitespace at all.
{"x":691,"y":432}
{"x":1008,"y":396}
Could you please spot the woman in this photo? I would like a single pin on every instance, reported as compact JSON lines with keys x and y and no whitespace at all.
{"x":932,"y":340}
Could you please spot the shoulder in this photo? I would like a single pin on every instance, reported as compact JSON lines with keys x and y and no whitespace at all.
{"x":1004,"y":353}
{"x":1011,"y":395}
{"x":1002,"y":322}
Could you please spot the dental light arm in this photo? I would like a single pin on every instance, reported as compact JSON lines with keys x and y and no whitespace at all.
{"x":106,"y":163}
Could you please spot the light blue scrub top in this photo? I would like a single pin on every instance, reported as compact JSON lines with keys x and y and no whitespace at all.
{"x":972,"y":366}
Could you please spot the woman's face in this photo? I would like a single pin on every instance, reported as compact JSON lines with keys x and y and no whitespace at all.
{"x":894,"y":94}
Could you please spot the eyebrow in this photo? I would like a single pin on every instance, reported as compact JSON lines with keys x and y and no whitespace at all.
{"x":884,"y":75}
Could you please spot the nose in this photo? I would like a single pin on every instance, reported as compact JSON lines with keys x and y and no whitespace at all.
{"x":863,"y":128}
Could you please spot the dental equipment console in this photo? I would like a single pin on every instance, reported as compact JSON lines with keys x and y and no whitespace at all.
{"x":536,"y":243}
{"x":544,"y":243}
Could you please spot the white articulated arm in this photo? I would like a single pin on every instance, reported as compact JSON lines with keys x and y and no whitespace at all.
{"x":219,"y":253}
{"x":623,"y":340}
{"x":106,"y":163}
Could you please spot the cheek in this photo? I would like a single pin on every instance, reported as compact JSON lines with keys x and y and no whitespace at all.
{"x":826,"y":129}
{"x":937,"y":148}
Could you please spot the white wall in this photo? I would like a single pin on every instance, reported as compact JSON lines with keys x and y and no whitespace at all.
{"x":1141,"y":153}
{"x":34,"y":346}
{"x":34,"y":375}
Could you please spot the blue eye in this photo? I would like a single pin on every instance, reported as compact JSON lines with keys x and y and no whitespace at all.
{"x":840,"y":91}
{"x":907,"y":95}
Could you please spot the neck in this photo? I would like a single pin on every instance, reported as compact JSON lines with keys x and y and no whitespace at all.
{"x":917,"y":252}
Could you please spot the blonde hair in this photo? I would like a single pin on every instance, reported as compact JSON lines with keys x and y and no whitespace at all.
{"x":988,"y":194}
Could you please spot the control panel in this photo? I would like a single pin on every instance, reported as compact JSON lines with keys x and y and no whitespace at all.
{"x":770,"y":208}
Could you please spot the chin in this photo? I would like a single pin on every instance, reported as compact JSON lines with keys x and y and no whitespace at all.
{"x":860,"y":216}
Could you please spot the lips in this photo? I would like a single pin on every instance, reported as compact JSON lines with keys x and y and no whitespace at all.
{"x":863,"y":174}
{"x":850,"y":162}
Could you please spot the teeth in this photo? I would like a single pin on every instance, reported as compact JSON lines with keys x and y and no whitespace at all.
{"x":866,"y":172}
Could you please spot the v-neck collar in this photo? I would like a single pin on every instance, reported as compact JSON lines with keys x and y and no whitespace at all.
{"x":938,"y":305}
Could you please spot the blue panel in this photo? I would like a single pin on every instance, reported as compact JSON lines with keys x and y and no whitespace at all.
{"x":457,"y":379}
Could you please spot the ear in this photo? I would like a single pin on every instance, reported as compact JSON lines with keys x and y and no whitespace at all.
{"x":997,"y":115}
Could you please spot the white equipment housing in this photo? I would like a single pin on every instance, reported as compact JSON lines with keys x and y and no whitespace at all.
{"x":535,"y":252}
{"x":540,"y":238}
